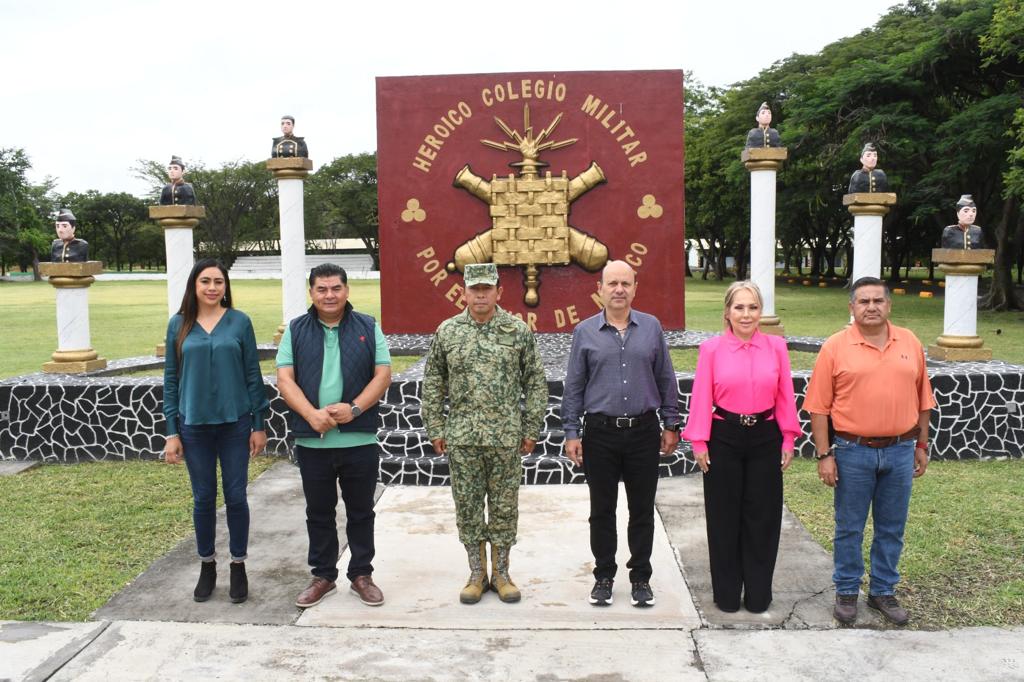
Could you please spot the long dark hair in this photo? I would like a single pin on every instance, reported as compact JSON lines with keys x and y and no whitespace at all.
{"x":189,"y":309}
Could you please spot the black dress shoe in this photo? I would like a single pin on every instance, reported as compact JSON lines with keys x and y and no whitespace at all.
{"x":207,"y":581}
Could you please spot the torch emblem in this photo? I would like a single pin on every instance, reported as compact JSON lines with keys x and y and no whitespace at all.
{"x":529,"y":213}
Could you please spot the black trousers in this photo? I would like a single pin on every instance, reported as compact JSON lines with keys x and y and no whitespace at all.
{"x":322,"y":470}
{"x":743,"y":503}
{"x":629,"y":455}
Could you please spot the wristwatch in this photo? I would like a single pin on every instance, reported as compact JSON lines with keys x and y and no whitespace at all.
{"x":355,"y":410}
{"x":672,"y":427}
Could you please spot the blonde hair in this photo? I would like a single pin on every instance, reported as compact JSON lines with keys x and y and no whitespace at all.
{"x":730,"y":294}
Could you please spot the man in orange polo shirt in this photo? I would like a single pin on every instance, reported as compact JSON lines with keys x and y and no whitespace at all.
{"x":871,"y":380}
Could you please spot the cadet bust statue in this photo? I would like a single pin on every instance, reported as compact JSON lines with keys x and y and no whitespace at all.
{"x":965,"y":234}
{"x":763,"y":135}
{"x":67,"y":249}
{"x":868,"y":178}
{"x":177,"y":192}
{"x":289,"y":145}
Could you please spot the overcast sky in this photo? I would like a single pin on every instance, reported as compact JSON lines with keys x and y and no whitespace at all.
{"x":90,"y":86}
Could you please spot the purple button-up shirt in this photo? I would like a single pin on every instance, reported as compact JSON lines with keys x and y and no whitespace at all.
{"x":619,"y":375}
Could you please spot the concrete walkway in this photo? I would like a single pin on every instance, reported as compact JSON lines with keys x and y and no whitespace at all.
{"x":153,"y":629}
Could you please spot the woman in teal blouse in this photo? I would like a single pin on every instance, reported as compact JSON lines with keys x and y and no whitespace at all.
{"x":214,"y":400}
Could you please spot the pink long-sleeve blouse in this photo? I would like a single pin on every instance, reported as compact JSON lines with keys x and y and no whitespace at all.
{"x":745,"y":377}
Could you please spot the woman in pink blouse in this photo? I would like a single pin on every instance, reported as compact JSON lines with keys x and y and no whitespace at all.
{"x":742,"y":426}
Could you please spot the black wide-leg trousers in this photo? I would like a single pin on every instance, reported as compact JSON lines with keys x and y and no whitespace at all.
{"x":743,"y":504}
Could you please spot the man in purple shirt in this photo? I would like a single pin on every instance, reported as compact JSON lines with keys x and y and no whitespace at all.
{"x":619,"y":379}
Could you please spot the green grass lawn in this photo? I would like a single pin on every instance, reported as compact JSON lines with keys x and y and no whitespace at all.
{"x":962,"y":563}
{"x":73,"y":536}
{"x":129,"y":318}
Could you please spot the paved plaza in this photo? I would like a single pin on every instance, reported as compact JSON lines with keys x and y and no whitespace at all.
{"x":153,"y":630}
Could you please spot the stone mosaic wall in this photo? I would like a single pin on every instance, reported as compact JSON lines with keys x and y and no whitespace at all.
{"x":75,"y":419}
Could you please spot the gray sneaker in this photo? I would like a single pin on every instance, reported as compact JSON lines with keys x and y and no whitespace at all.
{"x":845,"y":610}
{"x":601,"y":595}
{"x":887,"y":605}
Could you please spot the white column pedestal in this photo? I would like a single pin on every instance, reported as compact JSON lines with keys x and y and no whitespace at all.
{"x":294,"y":275}
{"x":959,"y":340}
{"x":74,"y":353}
{"x":763,"y":164}
{"x":868,"y":209}
{"x":867,"y":246}
{"x":178,"y":242}
{"x":291,"y":174}
{"x":178,"y":222}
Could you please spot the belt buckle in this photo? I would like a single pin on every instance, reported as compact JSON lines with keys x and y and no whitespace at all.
{"x":620,"y":425}
{"x":748,"y":419}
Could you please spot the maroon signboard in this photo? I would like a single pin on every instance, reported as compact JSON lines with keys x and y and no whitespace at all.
{"x":548,"y":175}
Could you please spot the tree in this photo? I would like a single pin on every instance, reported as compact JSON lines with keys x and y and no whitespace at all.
{"x":24,"y":209}
{"x":343,"y":200}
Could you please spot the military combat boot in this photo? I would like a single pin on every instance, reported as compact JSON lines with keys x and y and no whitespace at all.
{"x":500,"y":580}
{"x":477,"y":583}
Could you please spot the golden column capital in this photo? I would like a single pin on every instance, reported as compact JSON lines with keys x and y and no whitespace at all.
{"x":869,"y":203}
{"x":290,"y":168}
{"x":764,"y":158}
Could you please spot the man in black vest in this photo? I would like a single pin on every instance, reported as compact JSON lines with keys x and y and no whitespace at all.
{"x":333,"y":366}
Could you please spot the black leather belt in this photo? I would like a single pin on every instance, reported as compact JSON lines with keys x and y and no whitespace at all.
{"x":743,"y":419}
{"x":622,"y":422}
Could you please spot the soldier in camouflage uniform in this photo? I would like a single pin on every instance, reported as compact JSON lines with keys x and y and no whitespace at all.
{"x":485,"y":360}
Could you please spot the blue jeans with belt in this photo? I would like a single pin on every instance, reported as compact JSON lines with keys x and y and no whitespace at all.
{"x":204,"y":445}
{"x":879,"y":479}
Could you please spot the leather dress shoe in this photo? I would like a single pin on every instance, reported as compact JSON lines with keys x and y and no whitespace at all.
{"x":315,"y":593}
{"x":368,"y":593}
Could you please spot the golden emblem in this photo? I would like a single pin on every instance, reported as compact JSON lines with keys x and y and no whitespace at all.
{"x":530,"y":214}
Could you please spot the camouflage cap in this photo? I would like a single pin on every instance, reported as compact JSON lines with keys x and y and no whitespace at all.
{"x":480,"y":273}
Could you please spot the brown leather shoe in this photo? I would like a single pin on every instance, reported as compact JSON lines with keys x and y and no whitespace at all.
{"x":315,"y":593}
{"x":367,"y":592}
{"x":845,"y":610}
{"x":887,"y":605}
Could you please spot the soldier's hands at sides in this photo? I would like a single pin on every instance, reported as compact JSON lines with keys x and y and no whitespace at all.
{"x":669,"y":441}
{"x":827,"y":471}
{"x":173,"y":450}
{"x":322,"y":421}
{"x":527,"y":446}
{"x":920,"y":462}
{"x":440,"y":447}
{"x":574,"y":451}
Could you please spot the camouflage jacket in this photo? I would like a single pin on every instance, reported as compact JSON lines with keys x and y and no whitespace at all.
{"x":485,"y":370}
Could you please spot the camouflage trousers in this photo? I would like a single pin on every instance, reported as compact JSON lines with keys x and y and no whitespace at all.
{"x":486,"y":477}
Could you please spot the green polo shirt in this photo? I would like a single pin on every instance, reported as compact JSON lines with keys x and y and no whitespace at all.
{"x":331,"y":384}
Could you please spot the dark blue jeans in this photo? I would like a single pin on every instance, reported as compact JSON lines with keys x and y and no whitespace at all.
{"x":204,"y":445}
{"x":323,"y":471}
{"x":879,"y":479}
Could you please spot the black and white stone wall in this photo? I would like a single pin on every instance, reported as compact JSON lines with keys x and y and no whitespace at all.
{"x":63,"y":419}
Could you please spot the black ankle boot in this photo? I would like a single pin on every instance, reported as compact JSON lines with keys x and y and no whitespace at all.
{"x":239,"y":591}
{"x":207,"y":581}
